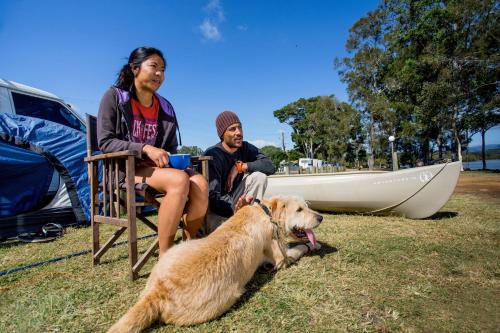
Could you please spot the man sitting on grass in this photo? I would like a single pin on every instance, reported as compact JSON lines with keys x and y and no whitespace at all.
{"x":238,"y":171}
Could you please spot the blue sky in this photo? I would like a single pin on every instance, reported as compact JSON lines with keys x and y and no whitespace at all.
{"x":251,"y":57}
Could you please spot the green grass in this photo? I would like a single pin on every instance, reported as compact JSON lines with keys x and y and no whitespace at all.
{"x":373,"y":274}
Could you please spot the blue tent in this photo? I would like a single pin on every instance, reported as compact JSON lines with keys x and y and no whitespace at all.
{"x":43,"y":177}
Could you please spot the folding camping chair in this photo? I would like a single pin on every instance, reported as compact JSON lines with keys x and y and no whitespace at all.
{"x":109,"y":199}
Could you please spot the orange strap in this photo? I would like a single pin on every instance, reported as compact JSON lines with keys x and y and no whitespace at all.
{"x":239,"y":166}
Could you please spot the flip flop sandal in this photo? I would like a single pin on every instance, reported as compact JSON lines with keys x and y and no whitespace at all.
{"x":50,"y":231}
{"x":34,"y":237}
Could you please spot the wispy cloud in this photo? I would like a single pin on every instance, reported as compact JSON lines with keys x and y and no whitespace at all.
{"x":243,"y":27}
{"x":215,"y":8}
{"x":209,"y":28}
{"x":259,"y":143}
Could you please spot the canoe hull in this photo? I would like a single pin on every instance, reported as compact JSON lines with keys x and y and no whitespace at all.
{"x":414,"y":193}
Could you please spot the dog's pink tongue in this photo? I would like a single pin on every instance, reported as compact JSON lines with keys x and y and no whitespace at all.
{"x":311,"y":237}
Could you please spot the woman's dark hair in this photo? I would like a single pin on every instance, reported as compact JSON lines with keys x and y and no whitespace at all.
{"x":125,"y":78}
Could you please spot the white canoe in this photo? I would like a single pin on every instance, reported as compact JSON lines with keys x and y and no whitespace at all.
{"x":415,"y":193}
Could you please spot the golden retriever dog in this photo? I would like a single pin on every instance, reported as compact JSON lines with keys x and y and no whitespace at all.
{"x":199,"y":280}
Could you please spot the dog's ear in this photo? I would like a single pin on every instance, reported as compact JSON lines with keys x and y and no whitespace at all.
{"x":273,"y":204}
{"x":277,"y":208}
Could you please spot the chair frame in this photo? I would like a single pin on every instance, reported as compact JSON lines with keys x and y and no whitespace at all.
{"x":113,"y":205}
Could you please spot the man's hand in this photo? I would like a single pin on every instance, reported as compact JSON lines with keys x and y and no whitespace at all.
{"x":230,"y":178}
{"x":243,"y":201}
{"x":157,"y":155}
{"x":243,"y":167}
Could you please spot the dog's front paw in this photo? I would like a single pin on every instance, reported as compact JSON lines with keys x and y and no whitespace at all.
{"x":312,"y":247}
{"x":280,"y":264}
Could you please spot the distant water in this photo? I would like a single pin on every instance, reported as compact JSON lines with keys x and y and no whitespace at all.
{"x":478,"y":165}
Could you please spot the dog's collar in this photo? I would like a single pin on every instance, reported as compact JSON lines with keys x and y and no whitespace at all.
{"x":267,"y":211}
{"x":277,"y":230}
{"x":264,"y":208}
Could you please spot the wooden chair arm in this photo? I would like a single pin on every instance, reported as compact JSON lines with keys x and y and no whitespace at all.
{"x":203,"y":160}
{"x":195,"y":159}
{"x":118,"y":154}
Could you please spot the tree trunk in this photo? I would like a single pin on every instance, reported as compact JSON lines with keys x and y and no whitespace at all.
{"x":459,"y":151}
{"x":305,"y":149}
{"x":426,"y":149}
{"x":311,"y":147}
{"x":440,"y":147}
{"x":457,"y":141}
{"x":423,"y":153}
{"x":483,"y":148}
{"x":371,"y":156}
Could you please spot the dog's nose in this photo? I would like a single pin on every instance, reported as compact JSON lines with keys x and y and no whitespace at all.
{"x":319,"y":218}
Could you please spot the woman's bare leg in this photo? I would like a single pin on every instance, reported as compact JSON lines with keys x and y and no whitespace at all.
{"x":175,"y":184}
{"x":197,"y":205}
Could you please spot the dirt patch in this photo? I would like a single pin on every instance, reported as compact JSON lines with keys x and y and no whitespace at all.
{"x":483,"y":184}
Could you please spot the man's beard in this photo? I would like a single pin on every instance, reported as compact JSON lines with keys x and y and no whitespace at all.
{"x":231,"y":144}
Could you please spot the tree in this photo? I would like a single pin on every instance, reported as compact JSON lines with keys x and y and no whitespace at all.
{"x":483,"y":57}
{"x":427,"y":70}
{"x":193,"y":150}
{"x":294,"y":155}
{"x":339,"y":128}
{"x":275,"y":154}
{"x":444,"y":38}
{"x":297,"y":115}
{"x":322,"y":126}
{"x":364,"y":74}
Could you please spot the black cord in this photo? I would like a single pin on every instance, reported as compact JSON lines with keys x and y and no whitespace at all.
{"x":71,"y":255}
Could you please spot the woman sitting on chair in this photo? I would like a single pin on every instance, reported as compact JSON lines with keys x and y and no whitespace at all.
{"x":132,"y":116}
